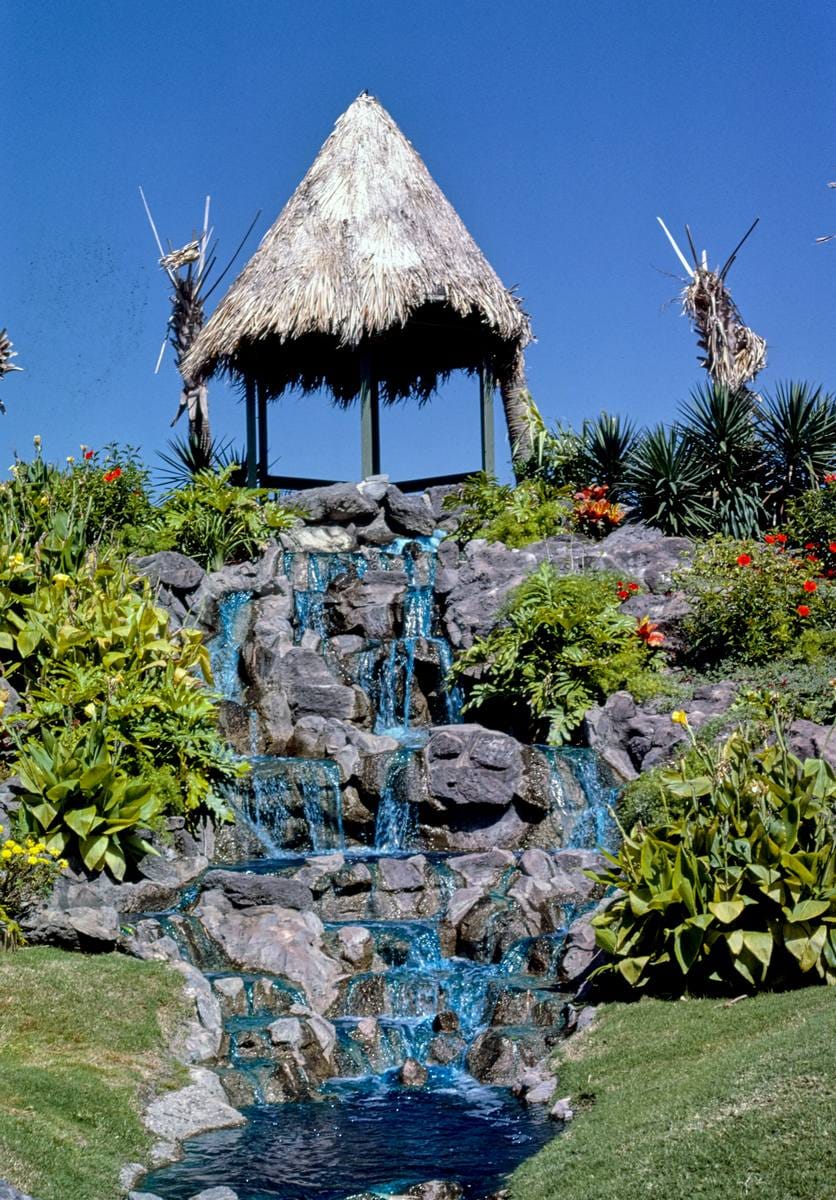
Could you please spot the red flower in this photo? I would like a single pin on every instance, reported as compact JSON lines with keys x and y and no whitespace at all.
{"x":809,"y":586}
{"x":743,"y":560}
{"x":781,"y":538}
{"x":809,"y":545}
{"x":832,"y":547}
{"x":633,"y":587}
{"x":649,"y":633}
{"x":803,"y":610}
{"x":88,"y":454}
{"x":109,"y":476}
{"x":812,"y":558}
{"x":622,"y":595}
{"x":769,"y":539}
{"x":831,"y":478}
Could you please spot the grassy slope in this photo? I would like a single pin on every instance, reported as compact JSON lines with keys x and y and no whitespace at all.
{"x":80,"y":1041}
{"x":696,"y":1100}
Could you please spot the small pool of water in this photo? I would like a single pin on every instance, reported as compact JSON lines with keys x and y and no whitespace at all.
{"x":370,"y":1135}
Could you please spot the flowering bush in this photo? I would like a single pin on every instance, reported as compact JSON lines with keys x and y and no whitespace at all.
{"x":27,"y":872}
{"x":593,"y":514}
{"x":811,"y":524}
{"x":752,"y":601}
{"x":562,"y":645}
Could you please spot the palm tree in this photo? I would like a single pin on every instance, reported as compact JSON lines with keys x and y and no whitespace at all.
{"x":732,"y":353}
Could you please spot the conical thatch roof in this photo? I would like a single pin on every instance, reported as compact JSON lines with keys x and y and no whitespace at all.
{"x":368,"y":259}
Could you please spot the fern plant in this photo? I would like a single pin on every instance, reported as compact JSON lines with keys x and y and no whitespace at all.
{"x":562,"y":645}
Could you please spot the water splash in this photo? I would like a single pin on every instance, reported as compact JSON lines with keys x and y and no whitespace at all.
{"x":586,"y":808}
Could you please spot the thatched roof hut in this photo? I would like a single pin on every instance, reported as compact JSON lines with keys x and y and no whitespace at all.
{"x":367,"y":276}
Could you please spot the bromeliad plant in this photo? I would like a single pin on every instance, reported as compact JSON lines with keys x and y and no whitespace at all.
{"x":738,"y":890}
{"x":562,"y":645}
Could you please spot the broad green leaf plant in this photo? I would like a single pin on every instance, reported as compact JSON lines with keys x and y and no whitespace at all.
{"x":739,"y":892}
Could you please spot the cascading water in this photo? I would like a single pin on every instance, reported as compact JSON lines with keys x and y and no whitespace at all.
{"x":283,"y":789}
{"x":225,"y":648}
{"x":413,"y":998}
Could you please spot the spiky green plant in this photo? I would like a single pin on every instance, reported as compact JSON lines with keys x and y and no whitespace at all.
{"x":607,"y":443}
{"x":797,"y":427}
{"x":668,"y":485}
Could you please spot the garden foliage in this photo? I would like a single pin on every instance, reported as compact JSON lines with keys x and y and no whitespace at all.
{"x":562,"y":644}
{"x":28,"y":869}
{"x":754,"y":601}
{"x":737,"y":891}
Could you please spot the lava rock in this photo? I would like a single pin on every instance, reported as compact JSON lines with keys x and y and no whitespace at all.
{"x":255,"y":891}
{"x":196,"y":1108}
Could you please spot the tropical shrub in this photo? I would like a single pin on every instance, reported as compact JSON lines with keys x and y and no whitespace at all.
{"x":77,"y":799}
{"x":752,"y":601}
{"x":607,"y":445}
{"x":516,"y":516}
{"x":92,"y":651}
{"x":740,"y":890}
{"x":28,"y":871}
{"x":562,"y":644}
{"x":61,"y":513}
{"x":667,"y":484}
{"x":811,"y":523}
{"x":215,"y":522}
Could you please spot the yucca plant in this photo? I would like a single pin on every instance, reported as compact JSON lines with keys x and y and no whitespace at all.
{"x":668,"y":485}
{"x":797,"y":427}
{"x":607,"y":444}
{"x":718,"y":426}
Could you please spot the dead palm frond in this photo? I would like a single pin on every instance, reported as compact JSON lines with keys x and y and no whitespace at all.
{"x":6,"y":356}
{"x":189,"y":270}
{"x":732,"y":353}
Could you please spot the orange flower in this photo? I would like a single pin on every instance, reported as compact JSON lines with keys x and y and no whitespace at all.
{"x":649,"y":633}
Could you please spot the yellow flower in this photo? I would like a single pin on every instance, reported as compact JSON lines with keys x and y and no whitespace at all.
{"x":54,"y":852}
{"x":679,"y":717}
{"x":5,"y":852}
{"x":32,"y":860}
{"x":63,"y":864}
{"x":70,"y":458}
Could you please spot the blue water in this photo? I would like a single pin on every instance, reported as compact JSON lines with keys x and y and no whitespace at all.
{"x":368,"y":1136}
{"x":278,"y":787}
{"x":225,"y":647}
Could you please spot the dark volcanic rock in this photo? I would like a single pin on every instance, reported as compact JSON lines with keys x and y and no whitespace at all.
{"x":253,"y":891}
{"x":470,"y":765}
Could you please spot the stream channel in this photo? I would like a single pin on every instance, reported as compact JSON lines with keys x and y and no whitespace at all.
{"x":349,"y":1125}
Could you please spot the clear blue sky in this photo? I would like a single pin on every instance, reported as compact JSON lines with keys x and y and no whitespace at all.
{"x":559,"y":130}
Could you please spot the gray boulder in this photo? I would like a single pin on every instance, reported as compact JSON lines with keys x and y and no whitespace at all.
{"x":273,"y":941}
{"x":196,"y":1108}
{"x":339,"y":502}
{"x":409,"y":514}
{"x":7,"y":1192}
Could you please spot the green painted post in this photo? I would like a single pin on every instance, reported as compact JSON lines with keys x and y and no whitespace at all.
{"x":252,"y":464}
{"x":369,"y":425}
{"x":263,"y":460}
{"x":486,"y":392}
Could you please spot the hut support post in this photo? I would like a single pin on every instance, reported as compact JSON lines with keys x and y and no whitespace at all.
{"x":252,"y":462}
{"x":486,"y":395}
{"x":263,"y":457}
{"x":369,"y":424}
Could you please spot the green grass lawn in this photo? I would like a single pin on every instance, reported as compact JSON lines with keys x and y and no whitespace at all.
{"x":697,"y":1100}
{"x":80,"y":1045}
